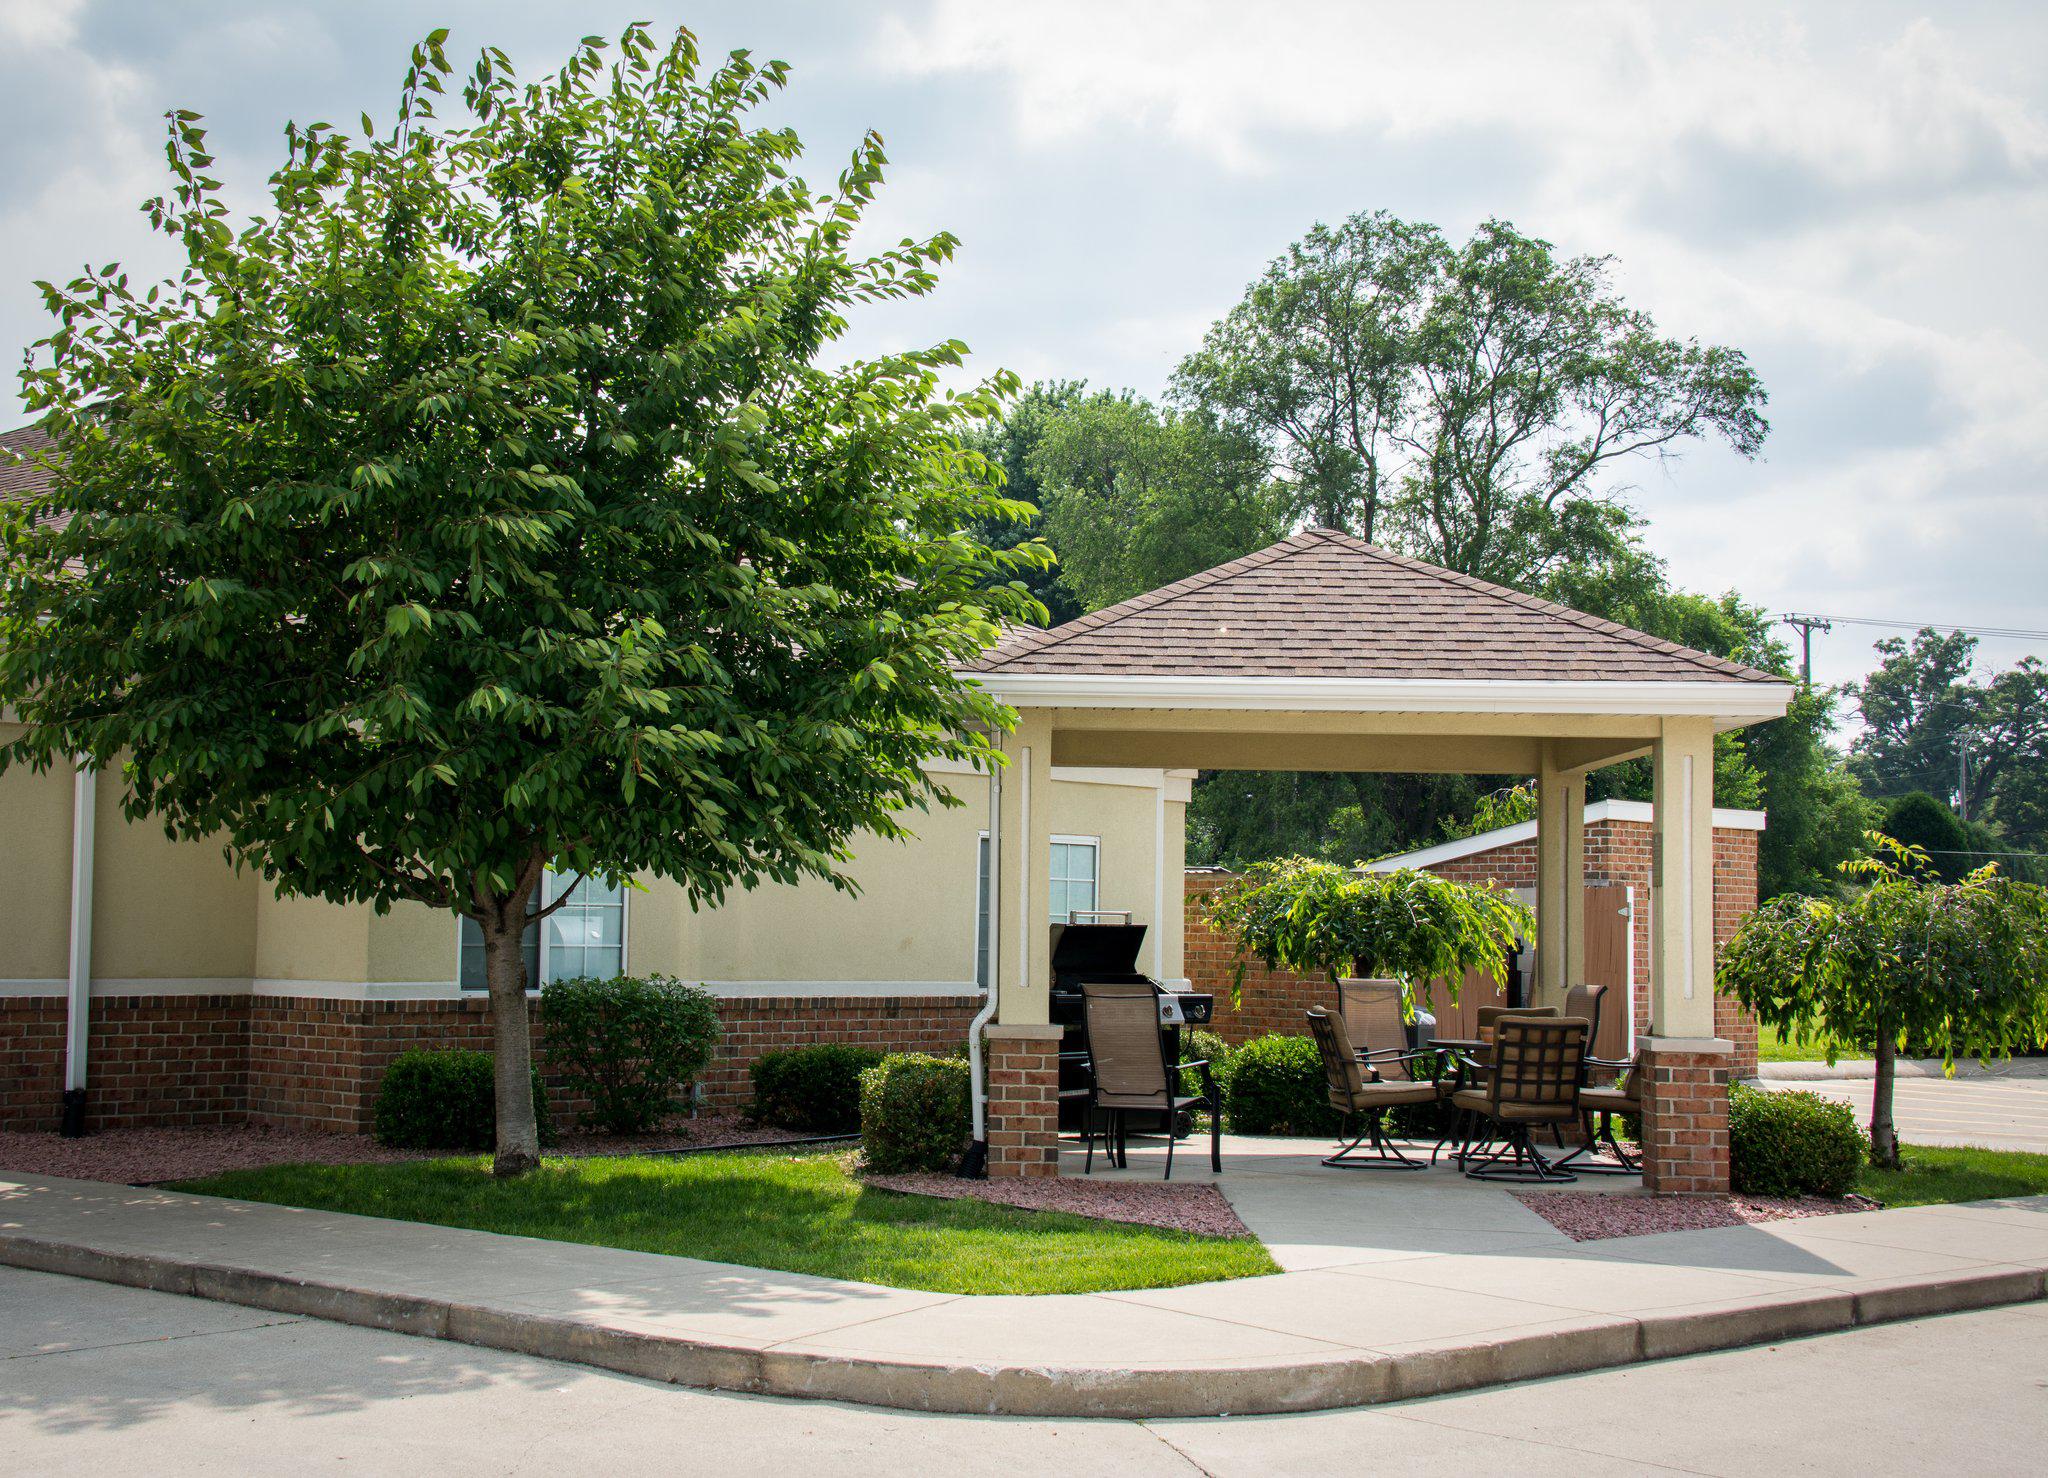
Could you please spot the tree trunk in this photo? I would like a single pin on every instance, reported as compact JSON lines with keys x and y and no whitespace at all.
{"x":511,"y":1041}
{"x":1884,"y":1136}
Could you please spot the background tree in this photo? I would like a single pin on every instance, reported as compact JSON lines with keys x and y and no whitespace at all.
{"x":1919,"y":709}
{"x":1464,"y":404}
{"x":1908,"y":958}
{"x":1136,"y":498}
{"x":1008,"y":440}
{"x":484,"y":507}
{"x":1981,"y":748}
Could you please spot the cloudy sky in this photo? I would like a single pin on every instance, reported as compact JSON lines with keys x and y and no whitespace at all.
{"x":1856,"y":195}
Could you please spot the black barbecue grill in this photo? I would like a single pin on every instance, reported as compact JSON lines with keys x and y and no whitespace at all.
{"x":1109,"y":953}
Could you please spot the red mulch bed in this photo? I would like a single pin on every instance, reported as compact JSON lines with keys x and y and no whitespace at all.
{"x":1192,"y":1207}
{"x":1594,"y":1216}
{"x":153,"y":1156}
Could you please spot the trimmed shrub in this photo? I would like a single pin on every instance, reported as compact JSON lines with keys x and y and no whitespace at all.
{"x":1275,"y":1085}
{"x":445,"y":1100}
{"x":1199,"y":1044}
{"x":1792,"y":1144}
{"x":630,"y":1045}
{"x":815,"y":1089}
{"x":915,"y":1112}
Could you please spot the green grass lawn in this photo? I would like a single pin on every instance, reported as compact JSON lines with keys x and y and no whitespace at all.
{"x":797,"y":1213}
{"x":1770,"y":1047}
{"x":1931,"y":1175}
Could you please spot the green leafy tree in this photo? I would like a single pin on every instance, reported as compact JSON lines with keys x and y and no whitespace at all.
{"x":1919,"y":709}
{"x":1009,"y":441}
{"x":1468,"y":404}
{"x":1136,"y":498}
{"x":1979,"y":747}
{"x":1908,"y":958}
{"x":1319,"y":918}
{"x":484,"y":507}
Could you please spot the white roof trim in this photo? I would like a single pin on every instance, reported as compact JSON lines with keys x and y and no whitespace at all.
{"x":1524,"y":831}
{"x":1724,"y":700}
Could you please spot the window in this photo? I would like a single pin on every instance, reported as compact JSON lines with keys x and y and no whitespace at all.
{"x":1075,"y":870}
{"x":585,"y":936}
{"x":1073,"y":876}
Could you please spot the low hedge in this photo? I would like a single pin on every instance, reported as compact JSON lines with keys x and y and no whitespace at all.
{"x":915,"y":1112}
{"x":629,"y":1044}
{"x":814,"y":1089}
{"x":446,"y":1100}
{"x":1792,"y":1144}
{"x":1275,"y":1085}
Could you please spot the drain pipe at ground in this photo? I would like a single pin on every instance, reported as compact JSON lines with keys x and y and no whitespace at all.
{"x":974,"y":1164}
{"x":78,"y":986}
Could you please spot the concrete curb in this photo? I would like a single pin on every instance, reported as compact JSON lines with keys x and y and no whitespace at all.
{"x":1249,"y":1388}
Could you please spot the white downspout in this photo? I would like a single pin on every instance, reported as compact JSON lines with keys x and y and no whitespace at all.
{"x":976,"y":1163}
{"x":78,"y":1018}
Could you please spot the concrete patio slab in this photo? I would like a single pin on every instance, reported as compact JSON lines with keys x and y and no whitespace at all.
{"x":1410,"y":1313}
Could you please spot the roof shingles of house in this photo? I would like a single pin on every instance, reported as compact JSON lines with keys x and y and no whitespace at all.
{"x":1325,"y":605}
{"x":20,"y":474}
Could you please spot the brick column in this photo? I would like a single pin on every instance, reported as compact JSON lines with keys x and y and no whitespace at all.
{"x":1685,"y":1115}
{"x":1023,"y":1101}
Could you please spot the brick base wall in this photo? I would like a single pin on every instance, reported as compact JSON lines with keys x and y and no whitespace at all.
{"x":1023,"y":1101}
{"x":311,"y":1063}
{"x":1617,"y":851}
{"x":1685,"y":1123}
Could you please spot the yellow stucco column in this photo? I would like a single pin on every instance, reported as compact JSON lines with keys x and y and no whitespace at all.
{"x":1022,"y":934}
{"x":1682,"y":881}
{"x":1560,"y":879}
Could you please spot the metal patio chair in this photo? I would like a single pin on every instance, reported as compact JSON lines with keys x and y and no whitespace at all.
{"x":1371,"y":1010}
{"x":1534,"y":1082}
{"x":1356,"y":1099}
{"x":1129,"y":1071}
{"x":1625,"y":1097}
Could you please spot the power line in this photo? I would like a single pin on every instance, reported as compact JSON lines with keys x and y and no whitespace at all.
{"x":1821,"y":622}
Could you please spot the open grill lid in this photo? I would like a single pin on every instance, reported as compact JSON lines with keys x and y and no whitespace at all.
{"x":1095,"y":951}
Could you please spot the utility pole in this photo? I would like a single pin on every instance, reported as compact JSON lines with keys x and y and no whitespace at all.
{"x":1807,"y":626}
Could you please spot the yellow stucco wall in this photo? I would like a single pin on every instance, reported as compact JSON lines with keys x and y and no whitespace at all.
{"x":167,"y":910}
{"x":35,"y":827}
{"x":162,"y":910}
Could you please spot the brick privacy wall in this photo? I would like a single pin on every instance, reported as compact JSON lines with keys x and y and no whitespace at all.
{"x":1023,"y":1106}
{"x":1616,"y":852}
{"x":313,"y":1063}
{"x":1685,"y":1123}
{"x":1272,"y":1000}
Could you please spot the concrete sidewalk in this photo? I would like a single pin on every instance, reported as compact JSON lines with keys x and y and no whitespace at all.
{"x":1433,"y":1300}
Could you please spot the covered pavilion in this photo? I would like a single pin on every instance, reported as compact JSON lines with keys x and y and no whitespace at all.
{"x":1323,"y":652}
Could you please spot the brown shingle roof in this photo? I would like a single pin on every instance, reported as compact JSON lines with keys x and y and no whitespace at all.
{"x":20,"y":477}
{"x":1323,"y":604}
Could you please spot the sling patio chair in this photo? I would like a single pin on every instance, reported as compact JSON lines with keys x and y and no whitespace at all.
{"x":1374,"y":1022}
{"x":1625,"y":1097}
{"x":1584,"y":1002}
{"x":1129,"y":1071}
{"x":1357,"y":1100}
{"x":1533,"y":1081}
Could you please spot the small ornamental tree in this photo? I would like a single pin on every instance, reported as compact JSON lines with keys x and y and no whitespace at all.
{"x":485,"y":506}
{"x":1415,"y":927}
{"x":1908,"y":957}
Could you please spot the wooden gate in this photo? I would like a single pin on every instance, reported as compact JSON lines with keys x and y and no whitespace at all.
{"x":1608,"y":929}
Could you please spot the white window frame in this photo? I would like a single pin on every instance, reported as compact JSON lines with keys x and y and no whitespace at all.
{"x":540,"y":967}
{"x":1094,"y":844}
{"x":978,"y":943}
